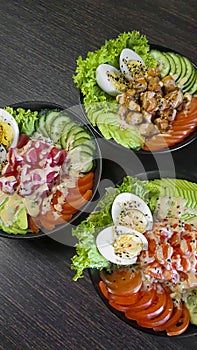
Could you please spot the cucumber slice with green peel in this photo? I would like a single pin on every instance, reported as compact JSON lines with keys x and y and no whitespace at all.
{"x":91,"y":144}
{"x":188,"y":86}
{"x":172,"y":70}
{"x":74,"y":135}
{"x":79,"y":142}
{"x":163,"y":62}
{"x":63,"y":138}
{"x":42,"y":127}
{"x":86,"y":161}
{"x":50,"y":117}
{"x":80,"y":160}
{"x":178,"y":66}
{"x":84,"y":148}
{"x":189,"y":76}
{"x":193,"y":89}
{"x":81,"y":134}
{"x":73,"y":132}
{"x":183,"y":69}
{"x":57,"y":127}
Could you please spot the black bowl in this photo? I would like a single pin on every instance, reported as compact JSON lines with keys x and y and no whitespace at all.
{"x":192,"y":137}
{"x":81,"y":214}
{"x":94,"y":273}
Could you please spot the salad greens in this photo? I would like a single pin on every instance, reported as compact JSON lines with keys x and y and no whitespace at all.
{"x":25,"y":119}
{"x":85,"y":78}
{"x":99,"y":105}
{"x":87,"y":254}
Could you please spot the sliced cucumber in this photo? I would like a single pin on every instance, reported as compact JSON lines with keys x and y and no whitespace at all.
{"x":80,"y":160}
{"x":190,"y":81}
{"x":193,"y":88}
{"x":63,"y":139}
{"x":183,"y":69}
{"x":84,"y":148}
{"x":86,"y":161}
{"x":172,"y":70}
{"x":178,"y":66}
{"x":163,"y":62}
{"x":91,"y":144}
{"x":73,"y":135}
{"x":57,"y":127}
{"x":50,"y":117}
{"x":42,"y":128}
{"x":80,"y":141}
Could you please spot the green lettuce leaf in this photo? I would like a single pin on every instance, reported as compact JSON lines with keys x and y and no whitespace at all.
{"x":87,"y":254}
{"x":85,"y":77}
{"x":25,"y":119}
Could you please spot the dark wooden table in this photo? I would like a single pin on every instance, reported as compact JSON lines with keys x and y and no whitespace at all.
{"x":41,"y":308}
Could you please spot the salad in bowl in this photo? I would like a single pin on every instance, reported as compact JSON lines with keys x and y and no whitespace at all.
{"x":50,"y":166}
{"x":141,"y":96}
{"x":140,"y":246}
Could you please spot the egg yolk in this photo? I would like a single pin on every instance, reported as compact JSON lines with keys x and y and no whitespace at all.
{"x":6,"y":134}
{"x":127,"y":245}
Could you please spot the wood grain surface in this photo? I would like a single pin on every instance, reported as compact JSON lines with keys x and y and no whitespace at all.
{"x":41,"y":308}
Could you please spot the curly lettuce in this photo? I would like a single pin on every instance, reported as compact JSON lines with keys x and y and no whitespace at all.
{"x":25,"y":119}
{"x":87,"y":254}
{"x":85,"y":78}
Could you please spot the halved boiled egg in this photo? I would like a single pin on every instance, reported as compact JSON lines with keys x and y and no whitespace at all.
{"x":130,"y":63}
{"x":131,"y":211}
{"x":9,"y":131}
{"x":121,"y":245}
{"x":110,"y":79}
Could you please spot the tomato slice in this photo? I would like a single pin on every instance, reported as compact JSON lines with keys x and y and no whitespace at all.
{"x":192,"y":108}
{"x":103,"y":289}
{"x":122,"y":281}
{"x":125,"y":299}
{"x":181,"y":325}
{"x":156,"y":308}
{"x":176,"y":314}
{"x":161,"y":318}
{"x":145,"y":300}
{"x":118,"y":307}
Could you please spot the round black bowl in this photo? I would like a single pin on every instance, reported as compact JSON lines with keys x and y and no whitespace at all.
{"x":94,"y":273}
{"x":192,"y":137}
{"x":81,"y":214}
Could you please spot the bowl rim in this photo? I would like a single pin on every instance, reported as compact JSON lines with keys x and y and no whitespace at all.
{"x":94,"y":273}
{"x":189,"y":139}
{"x":81,"y":214}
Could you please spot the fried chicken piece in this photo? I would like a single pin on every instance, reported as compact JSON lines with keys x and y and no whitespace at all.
{"x":148,"y":129}
{"x":134,"y":118}
{"x":149,"y":101}
{"x":169,"y":84}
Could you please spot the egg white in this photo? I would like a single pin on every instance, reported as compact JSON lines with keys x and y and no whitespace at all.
{"x":103,"y":80}
{"x":8,"y":118}
{"x":105,"y":241}
{"x":135,"y":202}
{"x":128,"y":55}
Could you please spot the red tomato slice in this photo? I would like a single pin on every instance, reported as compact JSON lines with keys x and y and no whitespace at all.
{"x":181,"y":325}
{"x":118,"y":307}
{"x":125,"y":299}
{"x":176,"y":314}
{"x":103,"y":289}
{"x":160,"y":319}
{"x":192,"y":108}
{"x":156,"y":308}
{"x":145,"y":300}
{"x":122,"y":281}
